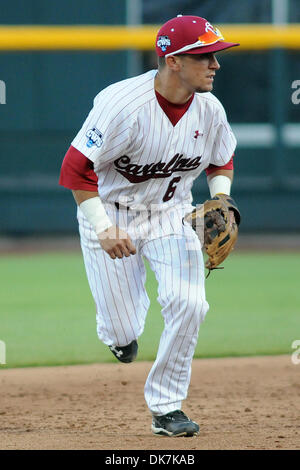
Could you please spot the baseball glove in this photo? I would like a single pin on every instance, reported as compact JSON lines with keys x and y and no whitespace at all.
{"x":216,"y":224}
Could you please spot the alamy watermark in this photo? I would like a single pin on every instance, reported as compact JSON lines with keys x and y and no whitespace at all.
{"x":2,"y":352}
{"x":296,"y":94}
{"x":296,"y":354}
{"x":153,"y":221}
{"x":2,"y":92}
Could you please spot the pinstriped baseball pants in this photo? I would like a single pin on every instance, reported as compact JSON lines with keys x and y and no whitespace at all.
{"x":122,"y":303}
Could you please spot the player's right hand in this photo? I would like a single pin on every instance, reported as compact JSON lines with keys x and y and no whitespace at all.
{"x":116,"y":242}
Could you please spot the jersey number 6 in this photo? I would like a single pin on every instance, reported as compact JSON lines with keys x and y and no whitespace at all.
{"x":171,"y":189}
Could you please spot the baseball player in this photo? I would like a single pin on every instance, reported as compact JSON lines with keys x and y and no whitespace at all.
{"x":131,"y":168}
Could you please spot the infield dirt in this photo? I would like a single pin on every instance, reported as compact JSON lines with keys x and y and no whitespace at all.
{"x":242,"y":403}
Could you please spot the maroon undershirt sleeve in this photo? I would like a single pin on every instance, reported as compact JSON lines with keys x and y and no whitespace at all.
{"x":77,"y":172}
{"x":212,"y":168}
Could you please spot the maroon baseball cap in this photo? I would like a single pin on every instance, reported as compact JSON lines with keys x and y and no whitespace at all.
{"x":189,"y":35}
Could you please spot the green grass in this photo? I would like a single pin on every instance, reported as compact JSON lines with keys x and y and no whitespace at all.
{"x":47,"y":314}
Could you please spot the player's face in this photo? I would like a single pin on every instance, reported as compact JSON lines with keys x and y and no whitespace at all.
{"x":197,"y":71}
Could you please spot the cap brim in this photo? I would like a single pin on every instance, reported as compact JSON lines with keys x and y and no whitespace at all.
{"x":218,"y":46}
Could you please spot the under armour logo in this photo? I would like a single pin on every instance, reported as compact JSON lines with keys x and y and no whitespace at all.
{"x":197,"y":133}
{"x":117,"y":353}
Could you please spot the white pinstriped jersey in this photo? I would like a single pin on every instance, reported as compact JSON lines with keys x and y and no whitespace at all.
{"x":139,"y":156}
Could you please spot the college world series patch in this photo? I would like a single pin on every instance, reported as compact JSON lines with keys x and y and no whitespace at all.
{"x":163,"y":42}
{"x":94,"y":137}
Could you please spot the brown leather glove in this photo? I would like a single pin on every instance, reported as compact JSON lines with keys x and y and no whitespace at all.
{"x":216,"y":224}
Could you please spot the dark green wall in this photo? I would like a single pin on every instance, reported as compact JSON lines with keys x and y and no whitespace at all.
{"x":63,"y":12}
{"x":48,"y":95}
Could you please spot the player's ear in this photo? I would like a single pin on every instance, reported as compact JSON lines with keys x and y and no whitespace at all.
{"x":173,"y":62}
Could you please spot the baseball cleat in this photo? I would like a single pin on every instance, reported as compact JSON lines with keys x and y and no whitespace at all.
{"x":125,"y":353}
{"x":175,"y":423}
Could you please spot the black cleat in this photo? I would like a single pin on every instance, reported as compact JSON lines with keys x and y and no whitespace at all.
{"x":125,"y":353}
{"x":175,"y":423}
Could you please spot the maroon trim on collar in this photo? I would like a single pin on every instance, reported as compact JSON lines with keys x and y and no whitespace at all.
{"x":173,"y":111}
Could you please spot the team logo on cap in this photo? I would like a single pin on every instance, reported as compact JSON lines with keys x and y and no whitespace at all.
{"x":94,"y":137}
{"x":209,"y":27}
{"x":211,"y":35}
{"x":163,"y":42}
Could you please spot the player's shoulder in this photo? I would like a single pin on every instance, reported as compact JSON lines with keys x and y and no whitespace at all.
{"x":211,"y":101}
{"x":127,"y":94}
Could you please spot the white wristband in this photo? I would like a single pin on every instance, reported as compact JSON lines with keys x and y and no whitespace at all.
{"x":95,"y":213}
{"x":219,"y":184}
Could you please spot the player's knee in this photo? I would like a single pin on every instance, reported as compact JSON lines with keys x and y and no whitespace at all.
{"x":194,"y":307}
{"x":203,"y":311}
{"x":201,"y":307}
